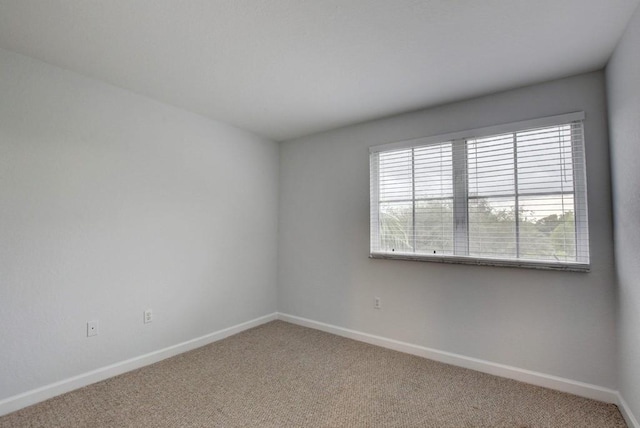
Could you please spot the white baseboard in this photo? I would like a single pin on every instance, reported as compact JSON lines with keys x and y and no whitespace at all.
{"x":631,"y":420}
{"x":535,"y":378}
{"x":37,"y":395}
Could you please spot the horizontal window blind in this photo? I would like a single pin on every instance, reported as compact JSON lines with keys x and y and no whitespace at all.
{"x":517,"y":196}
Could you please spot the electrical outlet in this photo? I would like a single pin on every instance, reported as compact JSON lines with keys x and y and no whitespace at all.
{"x":148,"y":316}
{"x":92,"y":328}
{"x":377,"y":303}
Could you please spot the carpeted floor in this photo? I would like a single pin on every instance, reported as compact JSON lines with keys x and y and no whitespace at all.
{"x":282,"y":375}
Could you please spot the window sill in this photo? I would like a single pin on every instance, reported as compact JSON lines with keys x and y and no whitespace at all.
{"x":527,"y":264}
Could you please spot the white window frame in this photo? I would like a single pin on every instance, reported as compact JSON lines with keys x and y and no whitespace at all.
{"x":460,"y":237}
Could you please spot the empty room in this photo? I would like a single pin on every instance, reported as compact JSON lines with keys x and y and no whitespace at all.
{"x":320,"y":213}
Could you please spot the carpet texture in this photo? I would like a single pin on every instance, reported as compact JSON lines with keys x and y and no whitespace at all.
{"x":283,"y":375}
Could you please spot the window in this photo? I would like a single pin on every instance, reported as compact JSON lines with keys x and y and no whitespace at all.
{"x":508,"y":195}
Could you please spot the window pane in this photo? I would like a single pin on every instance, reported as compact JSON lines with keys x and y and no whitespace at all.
{"x":545,"y":161}
{"x":434,"y":227}
{"x":547,"y":228}
{"x":396,"y":227}
{"x":396,"y":176}
{"x":433,"y":171}
{"x":492,"y":227}
{"x":491,"y":166}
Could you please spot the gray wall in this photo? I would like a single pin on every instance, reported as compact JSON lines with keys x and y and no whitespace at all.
{"x":558,"y":323}
{"x":111,"y":203}
{"x":623,"y":85}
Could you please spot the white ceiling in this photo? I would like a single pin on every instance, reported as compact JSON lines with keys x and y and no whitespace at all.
{"x":287,"y":68}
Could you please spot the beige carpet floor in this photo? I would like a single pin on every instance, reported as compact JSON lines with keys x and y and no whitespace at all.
{"x":282,"y":375}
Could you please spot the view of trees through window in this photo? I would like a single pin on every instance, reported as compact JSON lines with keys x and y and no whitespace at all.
{"x":547,"y":238}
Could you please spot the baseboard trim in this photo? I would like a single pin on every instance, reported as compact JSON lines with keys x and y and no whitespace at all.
{"x":535,"y":378}
{"x":37,"y":395}
{"x":629,"y":418}
{"x":582,"y":389}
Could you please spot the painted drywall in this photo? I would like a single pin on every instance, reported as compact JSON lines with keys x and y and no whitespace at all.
{"x":623,"y":87}
{"x":112,"y":203}
{"x":558,"y":323}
